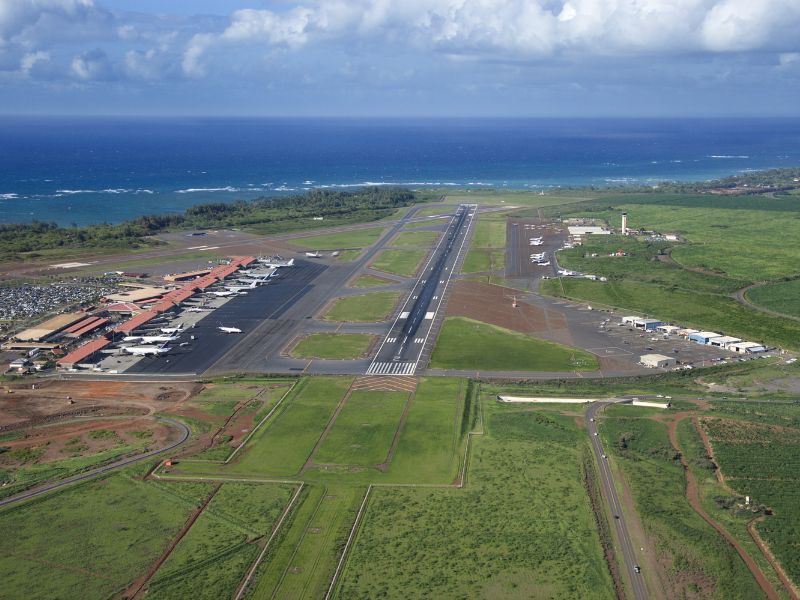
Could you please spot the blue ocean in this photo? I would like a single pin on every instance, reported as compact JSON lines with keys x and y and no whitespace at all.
{"x":90,"y":170}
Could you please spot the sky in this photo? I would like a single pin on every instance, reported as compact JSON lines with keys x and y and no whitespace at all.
{"x":403,"y":58}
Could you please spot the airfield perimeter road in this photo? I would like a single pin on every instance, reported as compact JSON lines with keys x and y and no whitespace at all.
{"x":402,"y":348}
{"x":125,"y":462}
{"x":607,"y":481}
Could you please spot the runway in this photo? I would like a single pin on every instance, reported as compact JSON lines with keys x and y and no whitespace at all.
{"x":403,"y":347}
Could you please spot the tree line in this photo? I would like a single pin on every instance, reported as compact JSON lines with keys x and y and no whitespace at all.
{"x":262,"y":214}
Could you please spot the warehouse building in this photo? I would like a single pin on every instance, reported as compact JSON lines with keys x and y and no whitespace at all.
{"x":723,"y":341}
{"x":647,"y":324}
{"x":669,"y":329}
{"x":703,"y":337}
{"x":746,"y":347}
{"x":656,"y":361}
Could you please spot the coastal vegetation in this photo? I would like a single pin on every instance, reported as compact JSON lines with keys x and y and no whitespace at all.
{"x":315,"y":209}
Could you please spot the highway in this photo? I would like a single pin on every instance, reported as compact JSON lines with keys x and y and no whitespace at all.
{"x":49,"y":487}
{"x":607,"y":481}
{"x":402,"y":348}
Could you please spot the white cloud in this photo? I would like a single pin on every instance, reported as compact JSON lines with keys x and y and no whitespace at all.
{"x":93,"y":65}
{"x":522,"y":29}
{"x":30,"y":59}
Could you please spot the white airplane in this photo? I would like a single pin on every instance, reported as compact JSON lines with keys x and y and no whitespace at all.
{"x":251,"y":281}
{"x":274,"y":263}
{"x":177,"y":329}
{"x":241,"y":288}
{"x":146,"y":350}
{"x":314,"y":254}
{"x":229,"y":329}
{"x":151,"y":339}
{"x":222,"y":294}
{"x":197,"y":309}
{"x":536,"y":243}
{"x":544,"y":264}
{"x":260,"y":276}
{"x":566,"y":273}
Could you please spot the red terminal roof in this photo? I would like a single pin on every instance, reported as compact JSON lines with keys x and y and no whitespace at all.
{"x":84,"y":352}
{"x":80,"y":324}
{"x":123,"y":307}
{"x":136,"y":321}
{"x":90,"y":327}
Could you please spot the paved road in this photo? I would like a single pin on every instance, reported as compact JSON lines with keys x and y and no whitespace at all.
{"x":402,"y":348}
{"x":607,"y":481}
{"x":49,"y":487}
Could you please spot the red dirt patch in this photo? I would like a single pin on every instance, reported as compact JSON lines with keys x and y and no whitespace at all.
{"x":494,"y":304}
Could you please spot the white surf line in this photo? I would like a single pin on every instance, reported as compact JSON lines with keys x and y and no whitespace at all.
{"x":409,"y":297}
{"x":447,"y":283}
{"x":240,"y":593}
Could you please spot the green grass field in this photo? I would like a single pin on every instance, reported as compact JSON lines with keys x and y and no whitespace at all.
{"x":521,"y":528}
{"x":698,"y":559}
{"x":367,"y":281}
{"x":487,"y":247}
{"x":17,"y":478}
{"x":710,"y":312}
{"x":363,"y":430}
{"x":363,"y":308}
{"x":642,"y":264}
{"x":220,"y":400}
{"x":744,"y":237}
{"x":106,"y":533}
{"x":400,"y":262}
{"x":213,"y":557}
{"x":467,"y":344}
{"x":431,"y":442}
{"x":356,"y":239}
{"x":333,"y":345}
{"x":783,"y":297}
{"x":415,"y":239}
{"x":303,"y":565}
{"x":283,"y":444}
{"x":479,"y":260}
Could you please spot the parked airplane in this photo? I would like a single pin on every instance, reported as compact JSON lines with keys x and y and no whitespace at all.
{"x":566,"y":273}
{"x":229,"y":329}
{"x":544,"y":264}
{"x":197,"y":309}
{"x":241,"y":288}
{"x":146,"y":350}
{"x":150,"y":339}
{"x":276,"y":261}
{"x":260,"y":276}
{"x":314,"y":254}
{"x":251,"y":281}
{"x":222,"y":294}
{"x":177,"y":329}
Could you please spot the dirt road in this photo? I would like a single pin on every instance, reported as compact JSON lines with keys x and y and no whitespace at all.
{"x":693,"y":496}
